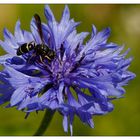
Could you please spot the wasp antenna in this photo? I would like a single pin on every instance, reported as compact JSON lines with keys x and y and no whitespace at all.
{"x":38,"y":24}
{"x":37,"y":17}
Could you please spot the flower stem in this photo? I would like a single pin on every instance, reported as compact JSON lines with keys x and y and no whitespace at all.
{"x":45,"y":122}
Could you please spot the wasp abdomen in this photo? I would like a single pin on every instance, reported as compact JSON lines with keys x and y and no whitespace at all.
{"x":25,"y":48}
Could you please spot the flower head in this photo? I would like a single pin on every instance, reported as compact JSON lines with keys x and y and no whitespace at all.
{"x":81,"y":80}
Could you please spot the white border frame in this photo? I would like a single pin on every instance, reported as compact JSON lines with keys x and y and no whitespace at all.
{"x":70,"y":1}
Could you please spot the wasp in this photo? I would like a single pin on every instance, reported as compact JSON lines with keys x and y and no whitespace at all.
{"x":41,"y":50}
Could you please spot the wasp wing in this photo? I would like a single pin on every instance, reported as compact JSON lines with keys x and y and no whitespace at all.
{"x":39,"y":27}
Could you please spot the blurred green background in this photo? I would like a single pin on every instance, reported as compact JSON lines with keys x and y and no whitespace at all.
{"x":124,"y":21}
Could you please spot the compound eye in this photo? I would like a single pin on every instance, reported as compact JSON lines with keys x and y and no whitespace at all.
{"x":30,"y":46}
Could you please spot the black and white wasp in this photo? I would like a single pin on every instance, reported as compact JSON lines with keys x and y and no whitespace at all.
{"x":40,"y":50}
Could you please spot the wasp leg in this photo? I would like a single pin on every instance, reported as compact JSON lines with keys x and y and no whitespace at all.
{"x":31,"y":57}
{"x":47,"y":57}
{"x":47,"y":68}
{"x":42,"y":61}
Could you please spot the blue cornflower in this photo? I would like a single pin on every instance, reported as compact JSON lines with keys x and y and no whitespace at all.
{"x":81,"y":80}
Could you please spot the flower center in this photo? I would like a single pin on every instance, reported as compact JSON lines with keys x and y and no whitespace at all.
{"x":60,"y":70}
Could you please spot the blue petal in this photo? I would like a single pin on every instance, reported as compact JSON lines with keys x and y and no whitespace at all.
{"x":49,"y":37}
{"x":74,"y":39}
{"x":64,"y":31}
{"x":65,"y":16}
{"x":30,"y":103}
{"x":71,"y":129}
{"x":65,"y":123}
{"x":28,"y":37}
{"x":34,"y":104}
{"x":71,"y":99}
{"x":94,"y":31}
{"x":60,"y":93}
{"x":85,"y":117}
{"x":124,"y":64}
{"x":59,"y":32}
{"x":17,"y":60}
{"x":49,"y":15}
{"x":22,"y":79}
{"x":6,"y":89}
{"x":53,"y":104}
{"x":10,"y":39}
{"x":8,"y":47}
{"x":52,"y":25}
{"x":24,"y":103}
{"x":49,"y":99}
{"x":18,"y":95}
{"x":22,"y":36}
{"x":103,"y":36}
{"x":18,"y":32}
{"x":8,"y":36}
{"x":35,"y":32}
{"x":97,"y":41}
{"x":3,"y":58}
